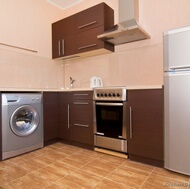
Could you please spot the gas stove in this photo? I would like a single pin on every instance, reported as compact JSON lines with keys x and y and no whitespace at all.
{"x":110,"y":94}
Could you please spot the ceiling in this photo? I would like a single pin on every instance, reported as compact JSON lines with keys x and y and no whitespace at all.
{"x":64,"y":4}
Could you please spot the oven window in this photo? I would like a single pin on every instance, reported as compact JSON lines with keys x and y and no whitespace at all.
{"x":109,"y":120}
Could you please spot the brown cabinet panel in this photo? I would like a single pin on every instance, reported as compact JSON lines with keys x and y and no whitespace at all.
{"x":98,"y":15}
{"x":50,"y":111}
{"x":82,"y":120}
{"x":78,"y":34}
{"x":62,"y":38}
{"x":87,"y":41}
{"x":145,"y":134}
{"x":64,"y":115}
{"x":83,"y":95}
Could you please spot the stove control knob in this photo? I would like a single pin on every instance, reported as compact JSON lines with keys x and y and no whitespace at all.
{"x":102,"y":94}
{"x":118,"y":95}
{"x":109,"y":94}
{"x":98,"y":94}
{"x":113,"y":94}
{"x":105,"y":95}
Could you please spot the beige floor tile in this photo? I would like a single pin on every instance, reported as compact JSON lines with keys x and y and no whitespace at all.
{"x":129,"y":176}
{"x":71,"y":163}
{"x":170,"y":174}
{"x":157,"y":182}
{"x":9,"y":172}
{"x":55,"y":186}
{"x":112,"y":159}
{"x":31,"y":181}
{"x":80,"y":179}
{"x":104,"y":184}
{"x":137,"y":165}
{"x":100,"y":167}
{"x":58,"y":169}
{"x":79,"y":157}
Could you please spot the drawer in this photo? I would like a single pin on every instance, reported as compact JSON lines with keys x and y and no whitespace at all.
{"x":84,"y":95}
{"x":89,"y":18}
{"x":87,"y":41}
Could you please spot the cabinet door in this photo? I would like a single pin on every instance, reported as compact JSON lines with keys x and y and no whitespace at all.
{"x":63,"y":38}
{"x":145,"y":131}
{"x":64,"y":115}
{"x":50,"y":111}
{"x":82,"y":123}
{"x":98,"y":15}
{"x":87,"y":41}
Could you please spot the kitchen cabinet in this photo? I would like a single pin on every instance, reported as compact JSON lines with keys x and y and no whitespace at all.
{"x":76,"y":36}
{"x":50,"y":119}
{"x":64,"y":116}
{"x":63,"y":38}
{"x":75,"y":117}
{"x":145,"y":126}
{"x":82,"y":119}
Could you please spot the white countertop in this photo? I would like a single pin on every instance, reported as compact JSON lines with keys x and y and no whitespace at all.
{"x":73,"y":89}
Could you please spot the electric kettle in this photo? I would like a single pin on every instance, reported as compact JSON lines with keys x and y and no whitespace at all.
{"x":96,"y":82}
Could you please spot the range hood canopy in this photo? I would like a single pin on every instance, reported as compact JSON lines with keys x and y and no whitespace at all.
{"x":128,"y":29}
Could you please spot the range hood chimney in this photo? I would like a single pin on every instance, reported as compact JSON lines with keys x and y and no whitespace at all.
{"x":128,"y":29}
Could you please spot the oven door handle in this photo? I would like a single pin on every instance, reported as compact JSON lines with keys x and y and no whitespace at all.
{"x":109,"y":104}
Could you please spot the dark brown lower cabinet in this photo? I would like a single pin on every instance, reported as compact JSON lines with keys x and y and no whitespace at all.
{"x":75,"y":118}
{"x":82,"y":122}
{"x":145,"y":126}
{"x":50,"y":119}
{"x":64,"y":115}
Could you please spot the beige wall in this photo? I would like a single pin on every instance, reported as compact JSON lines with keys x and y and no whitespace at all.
{"x":138,"y":63}
{"x":27,"y":24}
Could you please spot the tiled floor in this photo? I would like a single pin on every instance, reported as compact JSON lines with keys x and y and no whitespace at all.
{"x":61,"y":166}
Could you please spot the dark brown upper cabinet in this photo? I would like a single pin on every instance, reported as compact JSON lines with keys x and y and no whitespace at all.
{"x":76,"y":35}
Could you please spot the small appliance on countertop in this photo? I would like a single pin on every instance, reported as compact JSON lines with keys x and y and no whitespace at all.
{"x":96,"y":82}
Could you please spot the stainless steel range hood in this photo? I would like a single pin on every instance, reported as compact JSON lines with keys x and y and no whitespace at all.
{"x":128,"y":29}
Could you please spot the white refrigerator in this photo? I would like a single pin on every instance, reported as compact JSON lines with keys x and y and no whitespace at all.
{"x":177,"y":100}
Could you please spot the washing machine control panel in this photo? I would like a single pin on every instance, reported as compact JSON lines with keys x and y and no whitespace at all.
{"x":20,"y":98}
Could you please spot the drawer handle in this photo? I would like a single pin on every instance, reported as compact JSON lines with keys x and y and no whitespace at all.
{"x":85,"y":25}
{"x":87,"y":46}
{"x":81,"y":125}
{"x":81,"y":103}
{"x":81,"y":94}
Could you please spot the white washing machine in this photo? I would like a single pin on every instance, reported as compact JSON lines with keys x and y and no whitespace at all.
{"x":22,"y":123}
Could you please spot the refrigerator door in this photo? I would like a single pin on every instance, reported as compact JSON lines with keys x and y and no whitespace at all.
{"x":177,"y":48}
{"x":177,"y":121}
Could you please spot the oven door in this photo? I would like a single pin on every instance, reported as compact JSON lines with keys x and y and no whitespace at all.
{"x":111,"y":119}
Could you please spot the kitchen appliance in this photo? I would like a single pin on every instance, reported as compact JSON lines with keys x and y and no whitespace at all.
{"x":128,"y":29}
{"x":22,"y":123}
{"x":177,"y":99}
{"x":110,"y":130}
{"x":96,"y":82}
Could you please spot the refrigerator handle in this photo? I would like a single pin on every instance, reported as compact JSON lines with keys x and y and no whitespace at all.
{"x":179,"y":68}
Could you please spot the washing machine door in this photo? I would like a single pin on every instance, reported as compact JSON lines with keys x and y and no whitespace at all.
{"x":24,"y":120}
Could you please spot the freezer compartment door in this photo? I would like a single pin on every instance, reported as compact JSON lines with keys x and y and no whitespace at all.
{"x":177,"y":122}
{"x":177,"y":48}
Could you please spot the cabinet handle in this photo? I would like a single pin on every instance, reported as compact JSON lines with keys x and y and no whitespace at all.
{"x":87,"y":46}
{"x":81,"y":103}
{"x":81,"y":125}
{"x":85,"y":25}
{"x":131,"y":123}
{"x":63,"y":46}
{"x":59,"y":47}
{"x":68,"y":110}
{"x":82,"y":94}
